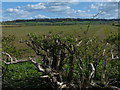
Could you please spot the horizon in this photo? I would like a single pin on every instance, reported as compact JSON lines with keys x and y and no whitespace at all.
{"x":63,"y":18}
{"x":41,"y":10}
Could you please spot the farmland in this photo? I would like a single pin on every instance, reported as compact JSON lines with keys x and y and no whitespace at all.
{"x":97,"y":30}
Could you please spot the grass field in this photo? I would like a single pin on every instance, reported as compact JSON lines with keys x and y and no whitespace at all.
{"x":99,"y":31}
{"x":94,"y":30}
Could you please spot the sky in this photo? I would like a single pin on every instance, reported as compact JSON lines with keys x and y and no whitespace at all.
{"x":37,"y":10}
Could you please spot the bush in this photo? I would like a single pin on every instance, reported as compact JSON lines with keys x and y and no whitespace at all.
{"x":73,"y":61}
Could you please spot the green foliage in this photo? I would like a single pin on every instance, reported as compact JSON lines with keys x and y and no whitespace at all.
{"x":78,"y":53}
{"x":22,"y":76}
{"x":73,"y":57}
{"x":8,"y":43}
{"x":114,"y":38}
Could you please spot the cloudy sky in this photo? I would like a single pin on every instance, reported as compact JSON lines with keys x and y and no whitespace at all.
{"x":32,"y":10}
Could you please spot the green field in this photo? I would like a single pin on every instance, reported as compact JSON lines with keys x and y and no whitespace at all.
{"x":99,"y":31}
{"x":20,"y":33}
{"x":94,"y":30}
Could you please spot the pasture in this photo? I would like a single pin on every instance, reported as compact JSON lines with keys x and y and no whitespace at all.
{"x":99,"y":31}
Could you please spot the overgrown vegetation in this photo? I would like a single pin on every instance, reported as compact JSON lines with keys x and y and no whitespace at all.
{"x":63,"y":62}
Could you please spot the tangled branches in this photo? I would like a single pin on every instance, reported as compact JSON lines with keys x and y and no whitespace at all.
{"x":69,"y":62}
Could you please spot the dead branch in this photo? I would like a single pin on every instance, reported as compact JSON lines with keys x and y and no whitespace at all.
{"x":113,"y":57}
{"x":11,"y":59}
{"x":92,"y":73}
{"x":105,"y":49}
{"x":38,"y":66}
{"x":51,"y":75}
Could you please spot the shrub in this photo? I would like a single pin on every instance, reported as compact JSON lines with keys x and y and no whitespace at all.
{"x":72,"y":62}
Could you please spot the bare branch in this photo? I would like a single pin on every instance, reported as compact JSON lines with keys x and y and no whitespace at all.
{"x":114,"y":87}
{"x":61,"y":86}
{"x":92,"y":73}
{"x":105,"y":49}
{"x":38,"y":66}
{"x":113,"y":57}
{"x":11,"y":59}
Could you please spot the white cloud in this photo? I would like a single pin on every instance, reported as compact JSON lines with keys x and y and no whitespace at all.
{"x":80,"y":11}
{"x":93,"y":6}
{"x":38,"y":6}
{"x":46,"y":7}
{"x":16,"y":11}
{"x":12,"y":10}
{"x":53,"y":7}
{"x":41,"y":16}
{"x":5,"y":19}
{"x":60,"y":9}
